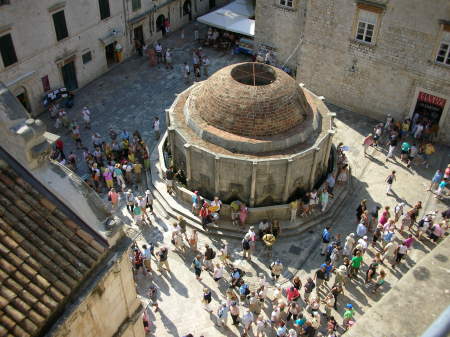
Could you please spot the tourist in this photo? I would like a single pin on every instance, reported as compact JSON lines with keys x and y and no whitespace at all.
{"x":330,"y":183}
{"x":218,"y":272}
{"x":441,"y":188}
{"x":269,"y":240}
{"x":162,"y":259}
{"x":360,"y":210}
{"x":263,"y":228}
{"x":224,"y":255}
{"x":196,"y":203}
{"x":402,"y":250}
{"x":186,"y":73}
{"x":389,"y":181}
{"x":246,"y":247}
{"x":137,"y":215}
{"x":275,"y":228}
{"x":254,"y":304}
{"x":348,"y":316}
{"x":326,"y":237}
{"x":129,"y":197}
{"x":324,"y":199}
{"x":437,"y":231}
{"x":342,"y":176}
{"x":86,"y":114}
{"x":193,"y":240}
{"x":293,"y":205}
{"x":379,"y":282}
{"x":309,"y":287}
{"x":276,"y":268}
{"x":329,"y":304}
{"x":234,"y":312}
{"x":209,"y":255}
{"x":368,"y":141}
{"x":168,"y":58}
{"x":222,"y":314}
{"x":207,"y":298}
{"x":205,"y":215}
{"x":138,"y":260}
{"x":361,"y":230}
{"x":336,"y":290}
{"x":349,"y":243}
{"x":320,"y":277}
{"x":296,"y":283}
{"x":247,"y":320}
{"x":119,"y":176}
{"x":371,"y":272}
{"x":355,"y":264}
{"x":142,"y":204}
{"x":147,"y":254}
{"x":205,"y":63}
{"x":424,"y":225}
{"x":438,"y":175}
{"x":113,"y":196}
{"x":170,"y":175}
{"x":389,"y":251}
{"x":260,"y":326}
{"x":243,"y":213}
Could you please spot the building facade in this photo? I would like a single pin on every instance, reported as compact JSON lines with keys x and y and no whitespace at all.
{"x":372,"y":57}
{"x":64,"y":264}
{"x":50,"y":44}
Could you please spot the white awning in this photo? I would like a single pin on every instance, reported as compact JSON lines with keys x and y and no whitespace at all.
{"x":234,"y":17}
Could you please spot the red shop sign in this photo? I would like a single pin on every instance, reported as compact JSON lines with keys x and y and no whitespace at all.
{"x":427,"y":98}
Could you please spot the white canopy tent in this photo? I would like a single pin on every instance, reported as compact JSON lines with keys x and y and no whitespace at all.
{"x":234,"y":17}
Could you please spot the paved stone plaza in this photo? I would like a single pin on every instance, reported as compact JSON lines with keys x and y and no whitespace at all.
{"x":132,"y":94}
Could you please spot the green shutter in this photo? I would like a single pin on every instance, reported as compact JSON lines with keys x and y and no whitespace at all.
{"x":59,"y":20}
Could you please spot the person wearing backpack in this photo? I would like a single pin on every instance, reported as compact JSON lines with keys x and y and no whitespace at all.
{"x":210,"y":254}
{"x":246,"y":247}
{"x":130,"y":201}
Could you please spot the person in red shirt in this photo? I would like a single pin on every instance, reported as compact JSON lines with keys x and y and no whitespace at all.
{"x":292,"y":294}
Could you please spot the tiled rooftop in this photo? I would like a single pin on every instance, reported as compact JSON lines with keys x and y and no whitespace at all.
{"x":45,"y":252}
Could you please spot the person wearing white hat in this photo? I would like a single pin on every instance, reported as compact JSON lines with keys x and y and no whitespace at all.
{"x":349,"y":243}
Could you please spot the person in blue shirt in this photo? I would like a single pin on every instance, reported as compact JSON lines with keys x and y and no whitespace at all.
{"x":436,"y":180}
{"x":326,"y":237}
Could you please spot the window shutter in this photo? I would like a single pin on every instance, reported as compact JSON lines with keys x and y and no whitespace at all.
{"x":7,"y":50}
{"x":59,"y":21}
{"x":104,"y":9}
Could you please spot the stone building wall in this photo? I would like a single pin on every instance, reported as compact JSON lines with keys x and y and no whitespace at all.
{"x":111,"y":309}
{"x":39,"y":54}
{"x":280,"y":28}
{"x":381,"y":78}
{"x":373,"y":79}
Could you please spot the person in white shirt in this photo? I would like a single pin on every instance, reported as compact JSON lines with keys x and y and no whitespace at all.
{"x":206,"y":63}
{"x":218,"y":272}
{"x":86,"y":113}
{"x":186,"y":72}
{"x":158,"y":51}
{"x":156,"y":128}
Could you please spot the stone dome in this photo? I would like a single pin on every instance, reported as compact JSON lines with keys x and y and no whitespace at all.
{"x":251,"y":100}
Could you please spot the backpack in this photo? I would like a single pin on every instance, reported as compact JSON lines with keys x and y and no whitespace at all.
{"x":389,"y":180}
{"x":245,"y":245}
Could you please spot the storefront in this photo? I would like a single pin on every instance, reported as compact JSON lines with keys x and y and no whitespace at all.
{"x":432,"y":107}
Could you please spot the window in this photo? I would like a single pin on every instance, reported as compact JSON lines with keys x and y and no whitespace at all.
{"x":287,"y":3}
{"x":443,"y":54}
{"x":366,"y":26}
{"x":4,"y":2}
{"x":7,"y":50}
{"x":104,"y":9}
{"x":86,"y":57}
{"x":136,"y":5}
{"x":59,"y":20}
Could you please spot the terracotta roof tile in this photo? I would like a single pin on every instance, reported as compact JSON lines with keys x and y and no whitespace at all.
{"x":47,"y":204}
{"x":3,"y":331}
{"x":45,"y":252}
{"x":19,"y":332}
{"x":6,"y":321}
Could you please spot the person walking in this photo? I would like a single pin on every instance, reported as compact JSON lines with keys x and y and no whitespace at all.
{"x":207,"y":298}
{"x":438,"y":175}
{"x":326,"y":237}
{"x":113,"y":196}
{"x":276,"y":268}
{"x":197,"y":264}
{"x":402,"y":250}
{"x":86,"y":113}
{"x":170,"y":175}
{"x":355,"y":264}
{"x":147,"y":254}
{"x":193,"y":240}
{"x":162,"y":259}
{"x":349,"y":244}
{"x":324,"y":197}
{"x":206,"y":63}
{"x":218,"y":272}
{"x":247,"y":320}
{"x":222,"y":314}
{"x":168,"y":57}
{"x":186,"y":73}
{"x":294,"y":209}
{"x":269,"y":240}
{"x":309,"y":287}
{"x":234,"y":311}
{"x":129,"y":197}
{"x":320,"y":278}
{"x":246,"y":247}
{"x":118,"y":174}
{"x":209,"y":255}
{"x":389,"y":181}
{"x":368,"y":141}
{"x":156,"y":129}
